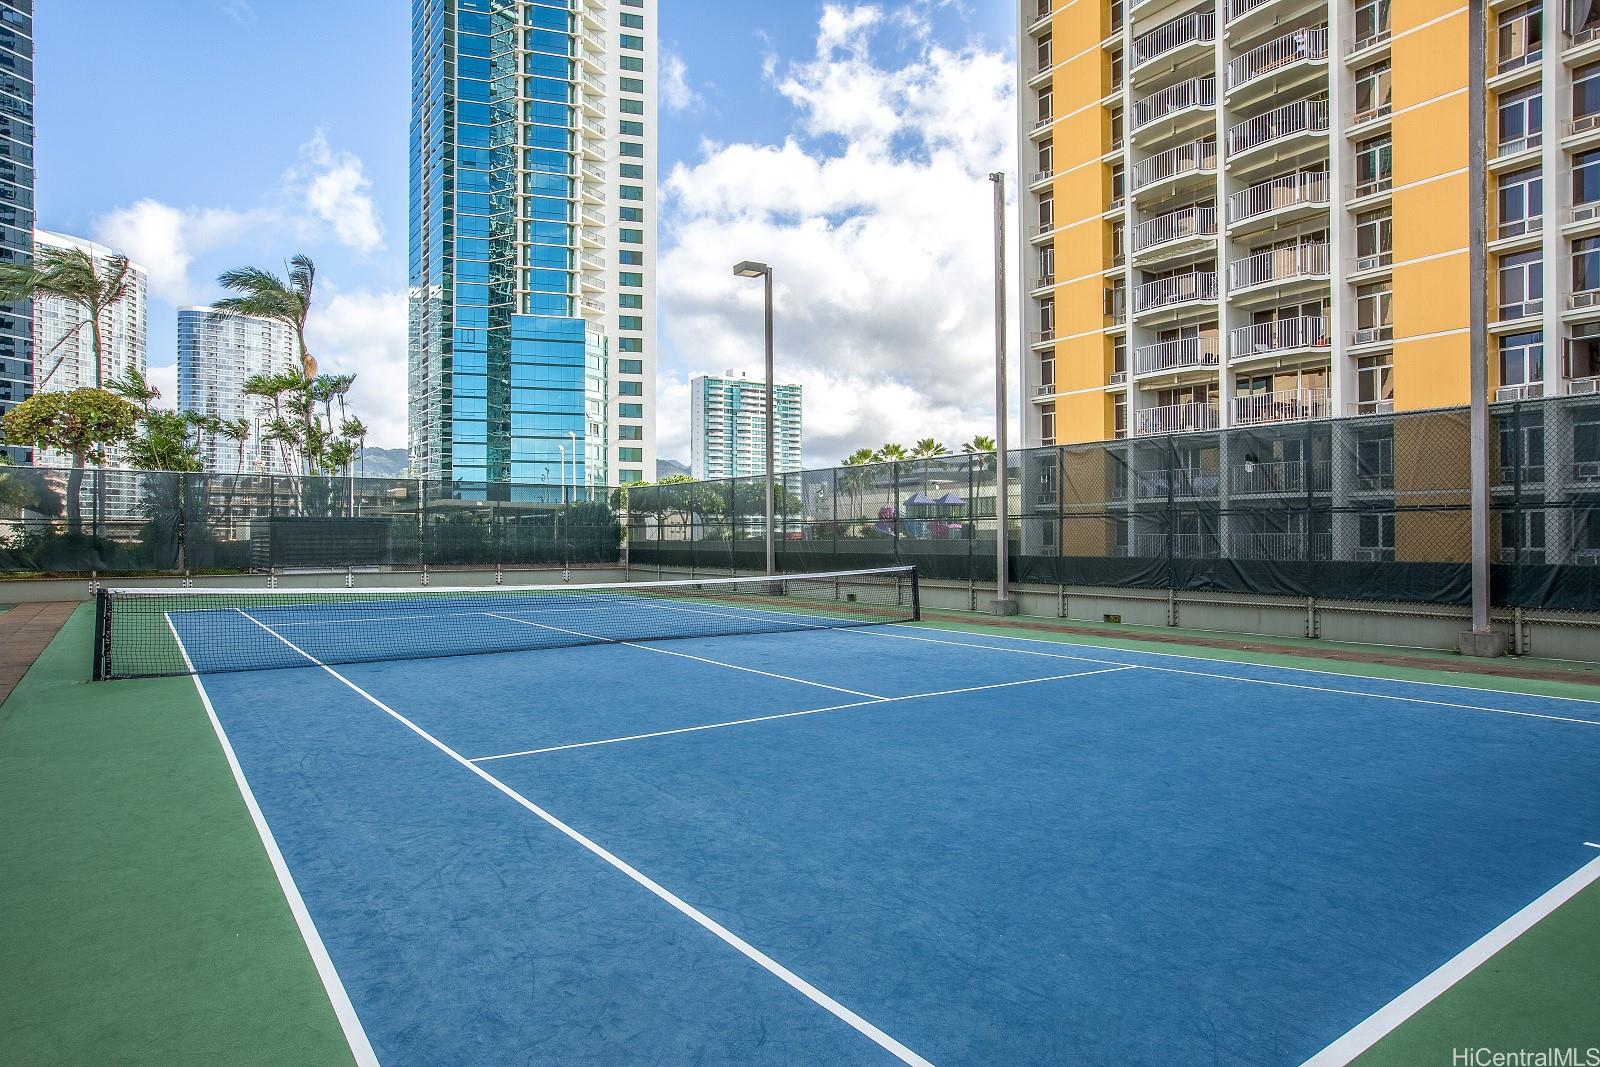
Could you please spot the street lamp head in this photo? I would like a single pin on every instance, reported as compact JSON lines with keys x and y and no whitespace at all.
{"x":751,"y":269}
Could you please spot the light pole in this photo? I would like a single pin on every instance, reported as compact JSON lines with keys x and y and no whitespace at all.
{"x":563,"y":475}
{"x":1001,"y":604}
{"x":751,"y":269}
{"x":573,"y":437}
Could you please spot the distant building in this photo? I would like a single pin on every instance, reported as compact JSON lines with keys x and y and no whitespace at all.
{"x":216,"y":356}
{"x":728,"y":426}
{"x":16,"y":199}
{"x":64,"y":344}
{"x":63,"y":341}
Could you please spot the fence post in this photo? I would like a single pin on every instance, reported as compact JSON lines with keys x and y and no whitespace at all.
{"x":894,"y":508}
{"x":422,"y":525}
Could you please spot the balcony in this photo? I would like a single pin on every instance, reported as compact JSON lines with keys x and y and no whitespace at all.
{"x":1175,"y":227}
{"x":590,"y":261}
{"x":1194,"y":287}
{"x":591,"y":280}
{"x":1274,"y":57}
{"x":1279,"y":124}
{"x":596,"y":306}
{"x":1309,"y":189}
{"x":1197,"y":27}
{"x":1174,"y":100}
{"x":1175,"y":418}
{"x":1303,"y":334}
{"x":1285,"y":405}
{"x":1280,"y":476}
{"x":1180,"y":354}
{"x":1237,"y":9}
{"x":1526,"y":391}
{"x":1275,"y":266}
{"x":1196,"y":157}
{"x":594,"y":216}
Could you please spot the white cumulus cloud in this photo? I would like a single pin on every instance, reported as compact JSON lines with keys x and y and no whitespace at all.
{"x":165,"y":240}
{"x":876,"y":217}
{"x":363,"y":332}
{"x":336,"y":190}
{"x":676,"y":92}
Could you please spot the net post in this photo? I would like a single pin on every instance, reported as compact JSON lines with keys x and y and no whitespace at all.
{"x":102,"y":632}
{"x":916,"y":597}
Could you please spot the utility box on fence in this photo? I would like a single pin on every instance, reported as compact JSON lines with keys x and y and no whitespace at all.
{"x":294,"y":543}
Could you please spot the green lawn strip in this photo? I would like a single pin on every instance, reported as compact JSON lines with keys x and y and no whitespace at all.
{"x":1539,"y":992}
{"x":143,"y":921}
{"x":1430,"y":668}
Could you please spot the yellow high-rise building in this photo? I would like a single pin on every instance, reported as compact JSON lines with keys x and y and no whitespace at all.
{"x":1239,"y":212}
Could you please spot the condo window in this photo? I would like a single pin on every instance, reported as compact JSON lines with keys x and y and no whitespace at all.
{"x":1374,"y":165}
{"x":1119,"y":354}
{"x":1375,"y":537}
{"x":1521,"y":284}
{"x":1521,"y":358}
{"x":1585,"y":264}
{"x":1522,"y":443}
{"x":1116,"y":128}
{"x":1116,"y":15}
{"x":1042,"y":53}
{"x":630,"y":433}
{"x":1521,"y":201}
{"x":1583,"y":351}
{"x":1118,"y":186}
{"x":1586,"y":90}
{"x":1372,"y":21}
{"x":1586,"y":177}
{"x":1119,"y":423}
{"x":633,"y":22}
{"x":1375,"y":383}
{"x":1373,"y":88}
{"x":1116,"y":71}
{"x":1374,"y":308}
{"x":1047,"y":369}
{"x":1520,"y":36}
{"x":1047,"y":428}
{"x":1521,"y":119}
{"x":1044,"y":104}
{"x":1374,"y":238}
{"x":1047,"y":156}
{"x":1047,"y":213}
{"x":1047,"y":262}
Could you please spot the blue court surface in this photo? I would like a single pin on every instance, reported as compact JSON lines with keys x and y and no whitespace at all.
{"x":842,"y":846}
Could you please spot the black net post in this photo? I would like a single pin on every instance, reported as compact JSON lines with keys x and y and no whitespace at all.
{"x":102,"y":632}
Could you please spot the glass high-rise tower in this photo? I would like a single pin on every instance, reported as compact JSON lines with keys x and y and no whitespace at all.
{"x":532,"y":241}
{"x":16,"y":197}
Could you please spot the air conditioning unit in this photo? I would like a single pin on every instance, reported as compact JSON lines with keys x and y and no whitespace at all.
{"x":1372,"y":262}
{"x":1045,"y":390}
{"x":1584,"y":212}
{"x":1587,"y":299}
{"x":1586,"y":472}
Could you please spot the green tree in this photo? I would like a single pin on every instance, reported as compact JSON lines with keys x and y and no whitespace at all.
{"x":890,"y":452}
{"x":264,"y":295}
{"x":73,"y":275}
{"x":165,"y":443}
{"x":82,"y":423}
{"x":928,"y":447}
{"x":979,"y":443}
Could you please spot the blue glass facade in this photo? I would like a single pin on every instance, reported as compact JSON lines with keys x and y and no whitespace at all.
{"x":505,"y":376}
{"x":16,"y":198}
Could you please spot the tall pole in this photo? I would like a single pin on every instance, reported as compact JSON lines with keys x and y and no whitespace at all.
{"x":772,"y":413}
{"x":1002,"y":604}
{"x":1481,"y":640}
{"x":573,"y":437}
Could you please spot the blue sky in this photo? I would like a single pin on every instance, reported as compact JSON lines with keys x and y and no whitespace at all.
{"x":203,"y":134}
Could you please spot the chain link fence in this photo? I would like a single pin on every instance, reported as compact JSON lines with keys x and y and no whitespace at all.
{"x":73,"y":523}
{"x":1371,"y":508}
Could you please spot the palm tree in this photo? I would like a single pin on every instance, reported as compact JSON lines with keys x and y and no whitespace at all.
{"x":890,"y":452}
{"x":72,"y":275}
{"x":979,"y":443}
{"x":928,"y":447}
{"x":264,"y":295}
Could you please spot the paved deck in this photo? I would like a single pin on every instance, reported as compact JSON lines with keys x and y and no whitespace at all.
{"x":25,"y":631}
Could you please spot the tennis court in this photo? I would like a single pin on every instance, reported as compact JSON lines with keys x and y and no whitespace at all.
{"x":808,"y":830}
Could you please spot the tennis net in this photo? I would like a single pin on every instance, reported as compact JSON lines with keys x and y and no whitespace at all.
{"x":148,"y":632}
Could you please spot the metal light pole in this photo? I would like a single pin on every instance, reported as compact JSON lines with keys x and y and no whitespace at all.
{"x":1001,"y":604}
{"x":573,"y":437}
{"x":1481,"y":640}
{"x":751,"y":269}
{"x":563,"y":472}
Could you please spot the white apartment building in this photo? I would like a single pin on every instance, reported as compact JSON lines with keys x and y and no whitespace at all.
{"x":216,"y":356}
{"x":728,"y":426}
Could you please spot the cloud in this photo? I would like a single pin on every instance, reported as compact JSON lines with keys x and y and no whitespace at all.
{"x":676,"y":93}
{"x":336,"y":189}
{"x":875,"y":214}
{"x":166,"y":380}
{"x":363,"y":332}
{"x":239,"y":11}
{"x":165,"y":240}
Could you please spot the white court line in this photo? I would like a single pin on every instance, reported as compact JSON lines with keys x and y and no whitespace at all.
{"x":788,"y":977}
{"x":343,"y":1009}
{"x":1382,"y":1022}
{"x":1592,"y":844}
{"x":790,"y":715}
{"x":682,"y":655}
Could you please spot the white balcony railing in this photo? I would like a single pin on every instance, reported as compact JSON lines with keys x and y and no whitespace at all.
{"x":1196,"y":157}
{"x":1179,"y":289}
{"x":1196,"y":92}
{"x":1279,"y":265}
{"x":1194,"y":221}
{"x":1178,"y":354}
{"x":1284,"y":405}
{"x":1195,"y":27}
{"x":1175,"y":418}
{"x":1309,"y":187}
{"x":594,"y":216}
{"x":1237,"y":8}
{"x":1279,"y":476}
{"x":591,"y":261}
{"x":1280,"y":335}
{"x":1303,"y":44}
{"x":1302,"y":116}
